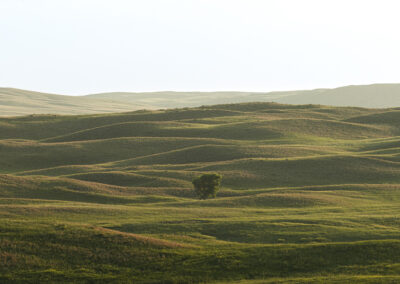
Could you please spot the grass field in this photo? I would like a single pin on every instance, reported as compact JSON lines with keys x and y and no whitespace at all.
{"x":23,"y":102}
{"x":310,"y":195}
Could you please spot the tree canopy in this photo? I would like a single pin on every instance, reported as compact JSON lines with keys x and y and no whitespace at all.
{"x":207,"y":185}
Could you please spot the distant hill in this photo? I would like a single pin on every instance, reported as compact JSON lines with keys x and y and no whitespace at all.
{"x":171,"y":99}
{"x":21,"y":102}
{"x":370,"y":96}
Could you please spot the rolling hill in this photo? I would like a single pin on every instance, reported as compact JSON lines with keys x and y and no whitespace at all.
{"x":20,"y":102}
{"x":370,"y":96}
{"x":161,"y":100}
{"x":310,"y":194}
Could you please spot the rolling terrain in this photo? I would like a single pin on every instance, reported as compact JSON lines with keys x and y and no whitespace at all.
{"x":370,"y":96}
{"x":310,"y":194}
{"x":21,"y":102}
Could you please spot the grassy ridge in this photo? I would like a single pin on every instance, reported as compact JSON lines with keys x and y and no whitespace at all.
{"x":22,"y":102}
{"x":310,"y":195}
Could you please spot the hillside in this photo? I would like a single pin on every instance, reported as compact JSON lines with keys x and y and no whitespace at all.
{"x":167,"y":99}
{"x":370,"y":96}
{"x":20,"y":102}
{"x":310,"y":194}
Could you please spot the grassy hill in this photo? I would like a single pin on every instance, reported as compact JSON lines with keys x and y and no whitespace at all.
{"x":20,"y":102}
{"x":372,"y":96}
{"x":310,"y":195}
{"x":171,"y":99}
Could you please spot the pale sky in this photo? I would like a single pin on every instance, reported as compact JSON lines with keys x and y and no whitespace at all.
{"x":90,"y":46}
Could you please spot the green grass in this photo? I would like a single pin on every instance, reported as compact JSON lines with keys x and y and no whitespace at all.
{"x":310,"y":194}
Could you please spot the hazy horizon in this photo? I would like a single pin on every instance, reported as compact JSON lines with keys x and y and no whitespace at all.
{"x":198,"y":91}
{"x":87,"y":47}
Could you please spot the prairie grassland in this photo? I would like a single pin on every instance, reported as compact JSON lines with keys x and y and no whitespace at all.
{"x":311,"y":194}
{"x":23,"y":102}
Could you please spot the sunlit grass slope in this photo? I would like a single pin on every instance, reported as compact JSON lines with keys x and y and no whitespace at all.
{"x":311,"y":194}
{"x":374,"y":96}
{"x":22,"y":102}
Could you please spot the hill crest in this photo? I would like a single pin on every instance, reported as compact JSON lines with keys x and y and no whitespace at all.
{"x":14,"y":102}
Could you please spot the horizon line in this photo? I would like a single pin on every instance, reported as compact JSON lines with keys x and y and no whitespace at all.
{"x":198,"y":91}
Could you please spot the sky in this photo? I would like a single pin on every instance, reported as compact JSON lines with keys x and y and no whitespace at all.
{"x":79,"y":47}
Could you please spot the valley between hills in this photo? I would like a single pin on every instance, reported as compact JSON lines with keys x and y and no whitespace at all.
{"x":310,"y":194}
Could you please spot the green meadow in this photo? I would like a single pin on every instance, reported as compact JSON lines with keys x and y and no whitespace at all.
{"x":310,"y":194}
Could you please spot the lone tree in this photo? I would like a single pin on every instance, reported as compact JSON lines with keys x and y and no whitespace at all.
{"x":207,"y":185}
